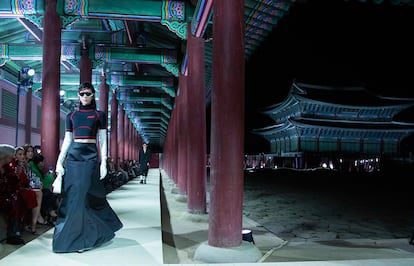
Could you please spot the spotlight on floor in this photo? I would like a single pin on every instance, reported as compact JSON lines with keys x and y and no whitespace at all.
{"x":247,"y":235}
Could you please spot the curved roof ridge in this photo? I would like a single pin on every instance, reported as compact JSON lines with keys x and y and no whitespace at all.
{"x":351,"y":121}
{"x":329,"y":87}
{"x":344,"y":95}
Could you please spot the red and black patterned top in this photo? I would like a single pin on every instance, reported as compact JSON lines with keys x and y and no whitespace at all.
{"x":85,"y":123}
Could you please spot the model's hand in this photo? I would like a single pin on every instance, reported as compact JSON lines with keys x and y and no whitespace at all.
{"x":103,"y":170}
{"x":59,"y":169}
{"x":57,"y":185}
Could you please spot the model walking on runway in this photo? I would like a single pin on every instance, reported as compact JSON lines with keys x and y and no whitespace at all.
{"x":85,"y":218}
{"x":144,"y":162}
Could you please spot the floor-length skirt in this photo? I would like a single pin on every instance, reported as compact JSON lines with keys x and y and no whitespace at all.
{"x":85,"y":219}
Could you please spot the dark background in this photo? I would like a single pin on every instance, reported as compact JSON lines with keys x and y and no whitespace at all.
{"x":330,"y":42}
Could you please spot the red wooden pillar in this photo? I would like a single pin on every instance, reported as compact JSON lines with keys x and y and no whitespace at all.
{"x":137,"y":144}
{"x":103,"y":98}
{"x":134,"y":142}
{"x":168,"y":151}
{"x":103,"y":95}
{"x":121,"y":137}
{"x":169,"y":148}
{"x":131,"y":139}
{"x":114,"y":129}
{"x":181,"y":140}
{"x":50,"y":120}
{"x":126,"y":136}
{"x":174,"y":145}
{"x":196,"y":120}
{"x":166,"y":162}
{"x":85,"y":65}
{"x":227,"y":125}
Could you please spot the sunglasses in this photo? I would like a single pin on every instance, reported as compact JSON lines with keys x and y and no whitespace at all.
{"x":88,"y":94}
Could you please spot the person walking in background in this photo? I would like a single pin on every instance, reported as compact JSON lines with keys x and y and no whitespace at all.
{"x":85,"y":219}
{"x":144,"y":162}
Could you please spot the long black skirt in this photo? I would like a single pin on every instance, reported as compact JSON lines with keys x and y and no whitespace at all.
{"x":85,"y":218}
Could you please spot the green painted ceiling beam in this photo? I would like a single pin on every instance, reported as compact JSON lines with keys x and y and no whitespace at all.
{"x":150,"y":109}
{"x":160,"y":123}
{"x":165,"y":121}
{"x":141,"y":99}
{"x":108,"y":54}
{"x":128,"y":8}
{"x":142,"y":81}
{"x":73,"y":80}
{"x":134,"y":54}
{"x":144,"y":109}
{"x":165,"y":83}
{"x":105,"y":37}
{"x":128,"y":99}
{"x":10,"y":6}
{"x":144,"y":116}
{"x":119,"y":9}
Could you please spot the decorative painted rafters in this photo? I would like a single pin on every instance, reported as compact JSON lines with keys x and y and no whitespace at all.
{"x":173,"y":16}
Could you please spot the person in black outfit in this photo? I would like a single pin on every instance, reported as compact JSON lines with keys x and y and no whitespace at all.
{"x":85,"y":219}
{"x":144,"y":162}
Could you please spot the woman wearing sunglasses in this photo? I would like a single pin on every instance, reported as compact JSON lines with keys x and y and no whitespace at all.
{"x":85,"y":219}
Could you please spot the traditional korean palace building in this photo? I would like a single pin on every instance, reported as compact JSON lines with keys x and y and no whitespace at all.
{"x":335,"y":126}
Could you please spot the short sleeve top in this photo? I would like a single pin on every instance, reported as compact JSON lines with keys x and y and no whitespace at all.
{"x":84,"y":124}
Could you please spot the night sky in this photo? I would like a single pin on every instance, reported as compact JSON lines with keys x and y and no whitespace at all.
{"x":331,"y":42}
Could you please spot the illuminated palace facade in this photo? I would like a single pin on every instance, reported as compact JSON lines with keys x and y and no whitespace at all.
{"x":348,"y":127}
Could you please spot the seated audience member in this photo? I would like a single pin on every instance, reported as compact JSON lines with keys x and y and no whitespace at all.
{"x":15,"y":200}
{"x":50,"y":200}
{"x":34,"y":183}
{"x":123,"y":174}
{"x":110,"y":179}
{"x":130,"y":169}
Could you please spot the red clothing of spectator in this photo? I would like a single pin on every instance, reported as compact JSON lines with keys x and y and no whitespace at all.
{"x":17,"y":196}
